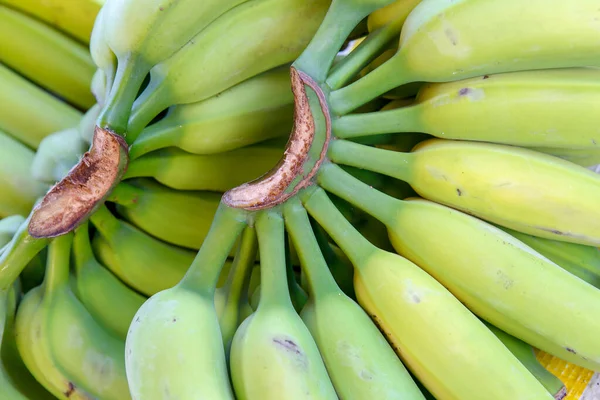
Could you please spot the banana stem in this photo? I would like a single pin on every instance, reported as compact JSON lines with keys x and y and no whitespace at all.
{"x":274,"y":290}
{"x":125,"y":195}
{"x":404,"y":119}
{"x":156,"y":136}
{"x":150,"y":103}
{"x":57,"y":263}
{"x":382,"y":79}
{"x":239,"y":275}
{"x":82,"y":247}
{"x":105,"y":221}
{"x":352,"y":243}
{"x":366,"y":52}
{"x":314,"y":266}
{"x":387,"y":162}
{"x":128,"y":80}
{"x":17,"y":254}
{"x":337,"y":181}
{"x":203,"y":274}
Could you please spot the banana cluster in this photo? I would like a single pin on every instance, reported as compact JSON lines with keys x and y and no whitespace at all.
{"x":432,"y":232}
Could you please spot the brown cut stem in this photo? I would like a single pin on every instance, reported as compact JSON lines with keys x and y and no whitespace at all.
{"x":272,"y":188}
{"x":85,"y":187}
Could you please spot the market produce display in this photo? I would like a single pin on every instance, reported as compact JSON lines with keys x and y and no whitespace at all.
{"x":299,"y":199}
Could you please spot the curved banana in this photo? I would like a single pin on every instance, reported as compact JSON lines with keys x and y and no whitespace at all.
{"x":47,"y":57}
{"x":449,"y":350}
{"x":272,"y":351}
{"x":182,"y":218}
{"x":518,"y":188}
{"x":73,"y":18}
{"x":106,"y":298}
{"x":447,"y":40}
{"x":57,"y":154}
{"x":28,"y":113}
{"x":103,"y":57}
{"x":398,"y":10}
{"x":549,"y":108}
{"x":584,"y":157}
{"x":277,"y":30}
{"x":360,"y":362}
{"x":254,"y":110}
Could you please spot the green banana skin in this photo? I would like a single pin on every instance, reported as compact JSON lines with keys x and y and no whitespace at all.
{"x":103,"y":57}
{"x":524,"y":352}
{"x":47,"y":57}
{"x":112,"y":304}
{"x":182,"y":218}
{"x":254,"y":110}
{"x":583,"y":157}
{"x":580,"y":260}
{"x":504,"y":290}
{"x":215,"y":172}
{"x":563,"y":101}
{"x":141,"y":35}
{"x":359,"y":361}
{"x":144,"y":263}
{"x":9,"y":227}
{"x":88,"y":123}
{"x":279,"y":30}
{"x":190,"y":362}
{"x":272,"y":351}
{"x":19,"y":97}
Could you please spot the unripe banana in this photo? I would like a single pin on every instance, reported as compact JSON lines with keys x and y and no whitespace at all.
{"x":398,"y":10}
{"x":88,"y":123}
{"x":103,"y":57}
{"x":551,"y":108}
{"x":447,"y":40}
{"x":215,"y":172}
{"x":57,"y":154}
{"x":254,"y":110}
{"x":449,"y":350}
{"x":584,"y":157}
{"x":9,"y":227}
{"x":272,"y":351}
{"x":277,"y":30}
{"x":518,"y":188}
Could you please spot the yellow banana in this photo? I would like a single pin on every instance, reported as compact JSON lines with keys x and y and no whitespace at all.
{"x":398,"y":10}
{"x":584,"y":157}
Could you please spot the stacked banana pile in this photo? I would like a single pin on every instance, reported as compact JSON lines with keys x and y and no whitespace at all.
{"x":298,"y":199}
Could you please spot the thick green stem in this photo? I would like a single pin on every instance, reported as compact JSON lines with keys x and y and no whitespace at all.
{"x":105,"y":221}
{"x":387,"y":162}
{"x":82,"y":247}
{"x":352,"y":243}
{"x":125,"y":195}
{"x":243,"y":262}
{"x":203,"y":274}
{"x":274,"y":290}
{"x":335,"y":180}
{"x":17,"y":254}
{"x":360,"y":57}
{"x":382,"y":79}
{"x":150,"y":103}
{"x":314,"y":266}
{"x":57,"y":263}
{"x":404,"y":119}
{"x":156,"y":136}
{"x":128,"y":80}
{"x":341,"y":19}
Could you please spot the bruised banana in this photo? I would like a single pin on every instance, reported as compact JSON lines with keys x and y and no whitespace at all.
{"x":449,"y":350}
{"x":257,"y":109}
{"x":549,"y":108}
{"x":447,"y":40}
{"x":518,"y":188}
{"x":516,"y":290}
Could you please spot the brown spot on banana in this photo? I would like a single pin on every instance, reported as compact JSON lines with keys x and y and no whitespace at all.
{"x":289,"y":175}
{"x":68,"y":203}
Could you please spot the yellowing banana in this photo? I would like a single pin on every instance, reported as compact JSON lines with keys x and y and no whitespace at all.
{"x":398,"y":10}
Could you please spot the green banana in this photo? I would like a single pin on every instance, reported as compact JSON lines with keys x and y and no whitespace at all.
{"x":551,"y":108}
{"x":103,"y":57}
{"x":47,"y":57}
{"x":88,"y":123}
{"x":272,"y":351}
{"x":146,"y":264}
{"x":254,"y":110}
{"x":28,"y":113}
{"x":9,"y":227}
{"x":449,"y":350}
{"x":217,"y":172}
{"x":360,"y":362}
{"x":277,"y":30}
{"x":190,"y":361}
{"x":73,"y":18}
{"x":106,"y":298}
{"x":57,"y":154}
{"x":61,"y":344}
{"x":583,"y":157}
{"x":179,"y":217}
{"x":141,"y":35}
{"x":515,"y":290}
{"x":398,"y":10}
{"x":518,"y":188}
{"x":580,"y":260}
{"x":98,"y":89}
{"x":524,"y":352}
{"x":18,"y":189}
{"x":445,"y":40}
